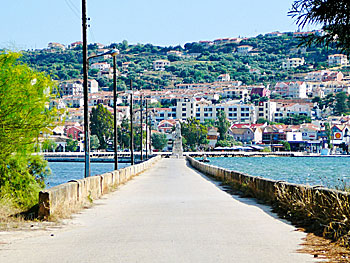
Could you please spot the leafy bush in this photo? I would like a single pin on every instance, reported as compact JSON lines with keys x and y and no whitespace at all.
{"x":24,"y":94}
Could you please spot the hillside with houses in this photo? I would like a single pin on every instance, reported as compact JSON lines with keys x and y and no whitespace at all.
{"x":273,"y":92}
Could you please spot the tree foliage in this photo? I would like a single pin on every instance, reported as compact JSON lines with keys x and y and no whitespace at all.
{"x":194,"y":133}
{"x":72,"y":145}
{"x":24,"y":94}
{"x":296,"y":119}
{"x":94,"y":142}
{"x":159,"y":141}
{"x":101,"y":125}
{"x":222,"y":124}
{"x":332,"y":15}
{"x":48,"y":145}
{"x":339,"y":103}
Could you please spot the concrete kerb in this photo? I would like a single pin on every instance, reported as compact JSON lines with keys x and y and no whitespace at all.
{"x":62,"y":198}
{"x":263,"y":187}
{"x":273,"y":191}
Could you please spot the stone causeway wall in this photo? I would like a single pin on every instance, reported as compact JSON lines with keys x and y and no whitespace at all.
{"x":76,"y":193}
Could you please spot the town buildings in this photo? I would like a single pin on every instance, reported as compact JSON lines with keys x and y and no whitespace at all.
{"x":337,"y":60}
{"x":293,"y":63}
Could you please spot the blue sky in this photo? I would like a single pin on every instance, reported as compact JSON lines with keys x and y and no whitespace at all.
{"x":33,"y":24}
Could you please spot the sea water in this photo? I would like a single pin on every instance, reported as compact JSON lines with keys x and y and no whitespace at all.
{"x":332,"y":172}
{"x":63,"y":172}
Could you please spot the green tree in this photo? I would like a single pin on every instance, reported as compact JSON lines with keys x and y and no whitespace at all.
{"x":48,"y":145}
{"x":72,"y":145}
{"x":296,"y":119}
{"x":262,"y":121}
{"x":101,"y":125}
{"x":124,"y":133}
{"x":341,"y":105}
{"x":194,"y":133}
{"x":286,"y":145}
{"x":159,"y":141}
{"x":24,"y":94}
{"x":94,"y":142}
{"x":332,"y":15}
{"x":222,"y":124}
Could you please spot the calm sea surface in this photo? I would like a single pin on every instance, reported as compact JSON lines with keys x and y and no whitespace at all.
{"x":327,"y":171}
{"x":63,"y":172}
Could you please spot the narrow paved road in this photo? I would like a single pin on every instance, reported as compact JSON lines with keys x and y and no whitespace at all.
{"x":170,"y":213}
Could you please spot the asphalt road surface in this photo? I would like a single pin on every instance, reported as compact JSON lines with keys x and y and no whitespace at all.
{"x":169,"y":213}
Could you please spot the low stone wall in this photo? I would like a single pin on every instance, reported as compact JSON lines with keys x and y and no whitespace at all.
{"x":324,"y":210}
{"x":76,"y":193}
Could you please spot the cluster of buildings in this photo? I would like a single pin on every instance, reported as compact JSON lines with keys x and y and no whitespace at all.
{"x":307,"y":137}
{"x":203,"y":101}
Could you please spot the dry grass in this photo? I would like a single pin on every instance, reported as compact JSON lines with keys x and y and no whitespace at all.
{"x":8,"y":220}
{"x":324,"y":249}
{"x":325,"y":213}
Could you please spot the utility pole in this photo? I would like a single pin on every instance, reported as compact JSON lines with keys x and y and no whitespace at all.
{"x":115,"y":113}
{"x":141,"y":132}
{"x":86,"y":93}
{"x":146,"y":129}
{"x":131,"y":126}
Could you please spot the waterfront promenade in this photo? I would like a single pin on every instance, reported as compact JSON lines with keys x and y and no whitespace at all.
{"x":169,"y":213}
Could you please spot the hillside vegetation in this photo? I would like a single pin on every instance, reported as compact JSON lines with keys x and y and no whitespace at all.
{"x":197,"y":63}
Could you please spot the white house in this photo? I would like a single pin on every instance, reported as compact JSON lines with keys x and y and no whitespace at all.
{"x":224,"y":78}
{"x":244,"y":49}
{"x":92,"y":86}
{"x":293,"y":63}
{"x":56,"y":46}
{"x":293,"y":89}
{"x":337,"y":60}
{"x":161,"y":64}
{"x":100,"y":66}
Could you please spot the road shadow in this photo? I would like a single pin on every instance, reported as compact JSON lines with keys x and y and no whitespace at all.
{"x":240,"y":196}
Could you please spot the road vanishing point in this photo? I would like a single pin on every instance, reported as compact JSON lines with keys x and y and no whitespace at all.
{"x":169,"y":213}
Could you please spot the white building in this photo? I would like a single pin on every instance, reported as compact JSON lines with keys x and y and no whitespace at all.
{"x":100,"y":66}
{"x":92,"y":86}
{"x":285,"y":110}
{"x":236,"y":93}
{"x":224,"y":78}
{"x":293,"y":63}
{"x":244,"y":49}
{"x":70,"y":89}
{"x":266,"y":110}
{"x":56,"y":46}
{"x":274,"y":34}
{"x":161,"y":64}
{"x":337,"y":60}
{"x":74,"y":101}
{"x":293,"y":89}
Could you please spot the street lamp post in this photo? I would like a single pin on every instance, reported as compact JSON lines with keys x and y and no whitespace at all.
{"x":141,"y":150}
{"x":115,"y":112}
{"x":146,"y":129}
{"x":113,"y":53}
{"x":131,"y":126}
{"x":86,"y":95}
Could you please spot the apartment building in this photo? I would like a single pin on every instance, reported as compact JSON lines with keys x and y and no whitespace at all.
{"x":337,"y":60}
{"x":266,"y":110}
{"x":285,"y":110}
{"x":293,"y":89}
{"x":70,"y":88}
{"x":161,"y":64}
{"x":224,"y":78}
{"x":100,"y":66}
{"x":293,"y":63}
{"x":236,"y":93}
{"x":244,"y":49}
